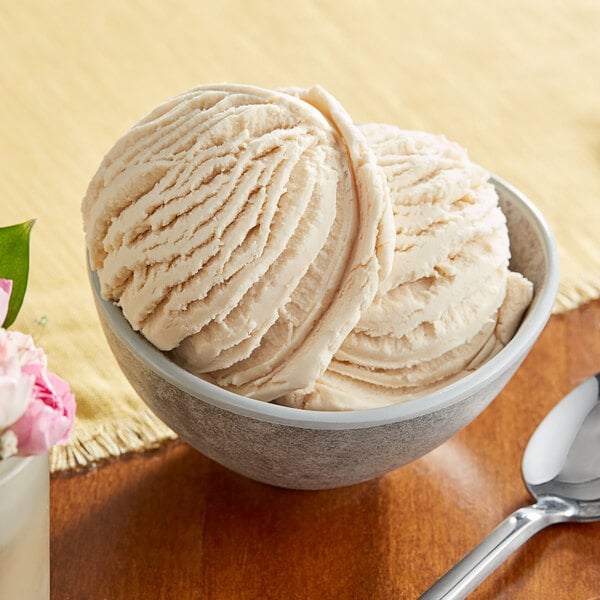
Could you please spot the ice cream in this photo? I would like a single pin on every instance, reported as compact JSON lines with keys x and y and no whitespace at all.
{"x":450,"y":301}
{"x":278,"y":250}
{"x":245,"y":230}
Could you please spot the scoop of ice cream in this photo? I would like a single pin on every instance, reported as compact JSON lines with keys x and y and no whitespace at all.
{"x":244,"y":230}
{"x":280,"y":251}
{"x":450,"y":301}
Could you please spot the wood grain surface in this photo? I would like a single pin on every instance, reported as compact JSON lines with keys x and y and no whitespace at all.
{"x":175,"y":525}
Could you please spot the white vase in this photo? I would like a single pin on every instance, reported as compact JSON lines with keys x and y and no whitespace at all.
{"x":25,"y":528}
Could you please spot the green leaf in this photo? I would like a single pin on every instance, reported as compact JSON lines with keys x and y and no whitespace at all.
{"x":14,"y":264}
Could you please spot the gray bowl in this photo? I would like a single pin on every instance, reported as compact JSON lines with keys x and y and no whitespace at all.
{"x":305,"y":449}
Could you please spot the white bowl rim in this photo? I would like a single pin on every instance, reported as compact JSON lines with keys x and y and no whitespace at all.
{"x":472,"y":383}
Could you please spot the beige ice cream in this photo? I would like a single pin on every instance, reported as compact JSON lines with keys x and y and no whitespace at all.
{"x":243,"y":229}
{"x":281,"y":252}
{"x":450,"y":302}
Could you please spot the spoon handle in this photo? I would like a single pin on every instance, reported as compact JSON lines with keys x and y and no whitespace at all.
{"x":489,"y":554}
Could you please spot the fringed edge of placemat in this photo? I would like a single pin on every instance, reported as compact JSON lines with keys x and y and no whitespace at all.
{"x":572,"y":295}
{"x":93,"y":443}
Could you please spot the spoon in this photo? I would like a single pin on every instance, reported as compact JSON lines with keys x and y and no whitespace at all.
{"x":561,"y":469}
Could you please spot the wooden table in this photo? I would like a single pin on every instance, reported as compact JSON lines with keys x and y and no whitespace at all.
{"x":172,"y":524}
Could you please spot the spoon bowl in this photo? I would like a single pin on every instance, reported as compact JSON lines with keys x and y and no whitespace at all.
{"x":561,"y":469}
{"x":563,"y":456}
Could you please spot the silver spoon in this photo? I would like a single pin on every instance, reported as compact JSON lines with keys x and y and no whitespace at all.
{"x":561,"y":469}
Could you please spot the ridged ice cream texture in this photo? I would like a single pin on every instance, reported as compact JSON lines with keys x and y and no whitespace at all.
{"x":275,"y":249}
{"x":450,"y":302}
{"x":243,"y":229}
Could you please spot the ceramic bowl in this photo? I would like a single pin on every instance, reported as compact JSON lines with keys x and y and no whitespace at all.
{"x":305,"y":449}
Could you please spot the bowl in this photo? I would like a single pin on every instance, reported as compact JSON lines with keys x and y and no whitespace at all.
{"x":305,"y":449}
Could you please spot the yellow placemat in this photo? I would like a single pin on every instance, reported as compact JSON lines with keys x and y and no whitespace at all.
{"x":516,"y":82}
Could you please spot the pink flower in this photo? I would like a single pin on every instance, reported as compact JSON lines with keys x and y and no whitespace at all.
{"x":15,"y":386}
{"x":39,"y":408}
{"x":5,"y":290}
{"x":48,"y":419}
